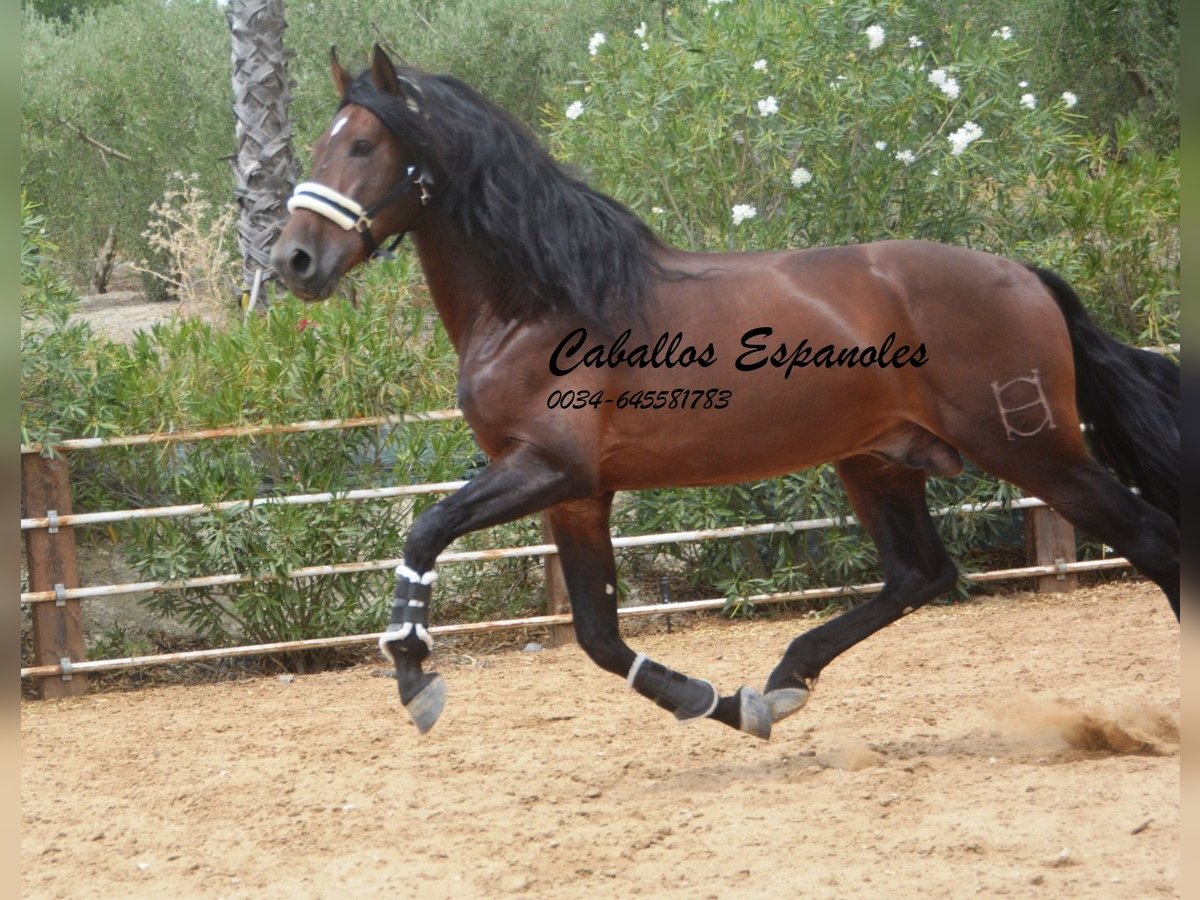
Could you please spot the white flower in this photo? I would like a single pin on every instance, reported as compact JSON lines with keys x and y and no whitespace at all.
{"x":915,"y":42}
{"x":598,"y":39}
{"x":657,"y":210}
{"x":1023,"y":84}
{"x":881,"y":145}
{"x":1004,"y":33}
{"x":906,"y":156}
{"x":768,"y":107}
{"x":575,"y":110}
{"x":800,"y":177}
{"x":640,"y":31}
{"x":1029,"y":101}
{"x":946,"y":84}
{"x":760,"y":65}
{"x":963,"y":137}
{"x":645,"y":46}
{"x":1069,"y":98}
{"x":743,"y":211}
{"x":875,"y":35}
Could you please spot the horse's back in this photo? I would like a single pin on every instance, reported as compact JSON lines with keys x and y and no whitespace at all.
{"x":893,"y":348}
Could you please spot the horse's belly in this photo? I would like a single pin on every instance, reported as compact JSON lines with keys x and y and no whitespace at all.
{"x":758,"y":437}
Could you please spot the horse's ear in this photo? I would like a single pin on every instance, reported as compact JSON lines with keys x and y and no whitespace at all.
{"x":383,"y":72}
{"x":341,"y":78}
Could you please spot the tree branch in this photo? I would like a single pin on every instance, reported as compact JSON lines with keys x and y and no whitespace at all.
{"x":88,"y":139}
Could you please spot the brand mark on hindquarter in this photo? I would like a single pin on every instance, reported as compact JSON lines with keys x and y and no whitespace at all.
{"x":1012,"y":397}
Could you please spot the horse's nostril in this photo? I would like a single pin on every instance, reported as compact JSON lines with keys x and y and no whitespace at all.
{"x":300,"y":262}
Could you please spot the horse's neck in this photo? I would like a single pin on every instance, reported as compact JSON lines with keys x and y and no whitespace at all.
{"x":461,"y":282}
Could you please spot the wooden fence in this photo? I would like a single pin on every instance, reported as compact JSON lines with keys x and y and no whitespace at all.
{"x":60,"y":665}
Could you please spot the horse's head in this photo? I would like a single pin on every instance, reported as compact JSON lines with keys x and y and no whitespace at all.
{"x":366,"y":186}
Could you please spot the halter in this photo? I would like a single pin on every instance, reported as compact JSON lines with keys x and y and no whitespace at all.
{"x":350,"y":215}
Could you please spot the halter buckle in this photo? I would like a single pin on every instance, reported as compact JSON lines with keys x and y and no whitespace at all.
{"x":363,"y":224}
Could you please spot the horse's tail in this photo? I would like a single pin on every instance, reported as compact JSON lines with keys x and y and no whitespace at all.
{"x":1129,"y":400}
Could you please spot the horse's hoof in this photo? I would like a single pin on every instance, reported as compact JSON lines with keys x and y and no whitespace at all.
{"x":755,"y":713}
{"x":426,"y":705}
{"x":785,"y":701}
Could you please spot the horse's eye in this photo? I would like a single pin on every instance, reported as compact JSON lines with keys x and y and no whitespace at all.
{"x":360,"y":148}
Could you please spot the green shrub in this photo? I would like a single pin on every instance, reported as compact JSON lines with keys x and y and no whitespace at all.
{"x":57,"y":354}
{"x":152,"y":81}
{"x":149,"y":80}
{"x":298,"y":363}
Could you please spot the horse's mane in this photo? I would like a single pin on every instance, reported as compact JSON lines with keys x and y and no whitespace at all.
{"x":559,"y":244}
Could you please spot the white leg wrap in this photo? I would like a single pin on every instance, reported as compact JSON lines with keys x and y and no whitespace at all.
{"x":399,"y":633}
{"x":403,"y":571}
{"x":633,"y":670}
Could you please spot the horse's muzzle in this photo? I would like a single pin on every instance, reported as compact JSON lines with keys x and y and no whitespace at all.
{"x":299,"y":269}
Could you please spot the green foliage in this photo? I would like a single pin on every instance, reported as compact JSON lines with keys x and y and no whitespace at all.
{"x":518,"y":55}
{"x":119,"y":642}
{"x":790,"y":112}
{"x":298,"y":363}
{"x":57,"y":354}
{"x":147,"y":79}
{"x":151,"y":80}
{"x":1121,"y":57}
{"x":65,"y":11}
{"x":1119,"y":237}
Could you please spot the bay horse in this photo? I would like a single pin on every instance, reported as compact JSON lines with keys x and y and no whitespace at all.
{"x":595,"y":358}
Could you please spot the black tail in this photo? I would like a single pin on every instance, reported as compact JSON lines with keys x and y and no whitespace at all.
{"x":1129,"y":399}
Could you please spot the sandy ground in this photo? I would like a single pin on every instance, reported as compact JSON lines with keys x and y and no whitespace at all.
{"x":1024,"y":745}
{"x":118,"y":315}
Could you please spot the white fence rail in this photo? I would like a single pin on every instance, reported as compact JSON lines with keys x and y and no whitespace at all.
{"x":58,"y":640}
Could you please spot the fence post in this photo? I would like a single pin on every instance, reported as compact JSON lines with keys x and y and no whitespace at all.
{"x":50,"y":556}
{"x":1050,"y":540}
{"x":557,"y":600}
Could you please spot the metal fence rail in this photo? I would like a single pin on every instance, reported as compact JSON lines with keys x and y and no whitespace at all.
{"x":55,"y":593}
{"x":205,"y":434}
{"x":448,"y":557}
{"x":659,"y":609}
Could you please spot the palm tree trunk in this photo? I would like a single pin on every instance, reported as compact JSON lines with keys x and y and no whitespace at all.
{"x":264,"y":165}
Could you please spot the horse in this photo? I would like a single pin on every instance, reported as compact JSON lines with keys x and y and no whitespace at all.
{"x":596,"y":358}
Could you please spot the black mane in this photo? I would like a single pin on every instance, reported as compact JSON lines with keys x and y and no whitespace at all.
{"x":559,"y":244}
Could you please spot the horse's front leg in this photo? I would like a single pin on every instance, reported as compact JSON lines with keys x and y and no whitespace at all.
{"x":515,"y":485}
{"x":581,"y":531}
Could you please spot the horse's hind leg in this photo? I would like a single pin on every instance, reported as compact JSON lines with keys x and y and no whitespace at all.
{"x":889,"y":500}
{"x":580,"y":530}
{"x":1079,"y":490}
